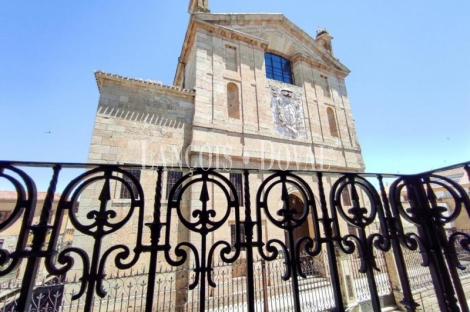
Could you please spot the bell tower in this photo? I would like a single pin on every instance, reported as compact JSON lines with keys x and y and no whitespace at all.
{"x":196,"y":6}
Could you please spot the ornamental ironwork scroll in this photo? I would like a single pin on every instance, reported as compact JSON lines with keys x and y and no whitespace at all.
{"x":430,"y":218}
{"x":287,"y":219}
{"x":202,"y":220}
{"x":97,"y":225}
{"x":359,"y":215}
{"x":203,"y":202}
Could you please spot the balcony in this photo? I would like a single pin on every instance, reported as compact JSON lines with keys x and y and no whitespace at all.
{"x":127,"y":238}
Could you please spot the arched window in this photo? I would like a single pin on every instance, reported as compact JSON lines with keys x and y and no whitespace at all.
{"x":332,"y":122}
{"x":233,"y":102}
{"x":278,"y":68}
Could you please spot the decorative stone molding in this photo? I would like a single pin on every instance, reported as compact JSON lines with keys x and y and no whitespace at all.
{"x":274,"y":19}
{"x":288,"y":114}
{"x":194,"y":24}
{"x":101,"y":76}
{"x":319,"y":65}
{"x":230,"y":33}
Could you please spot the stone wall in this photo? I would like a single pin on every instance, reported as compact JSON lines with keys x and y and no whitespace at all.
{"x":139,"y":124}
{"x":213,"y":127}
{"x":130,"y":120}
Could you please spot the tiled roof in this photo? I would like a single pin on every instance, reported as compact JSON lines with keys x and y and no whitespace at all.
{"x":11,"y":195}
{"x":140,"y":80}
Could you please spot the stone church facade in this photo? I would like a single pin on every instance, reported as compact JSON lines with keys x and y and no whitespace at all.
{"x":250,"y":91}
{"x":242,"y":81}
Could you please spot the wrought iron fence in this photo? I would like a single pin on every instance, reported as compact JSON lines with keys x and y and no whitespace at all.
{"x":129,"y":292}
{"x":419,"y":274}
{"x":203,"y":249}
{"x":361,"y":285}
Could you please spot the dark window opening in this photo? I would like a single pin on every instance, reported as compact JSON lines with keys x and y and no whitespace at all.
{"x":278,"y":68}
{"x":231,"y":58}
{"x":233,"y":234}
{"x":325,"y":87}
{"x":125,"y":192}
{"x":237,"y":181}
{"x":172,"y":179}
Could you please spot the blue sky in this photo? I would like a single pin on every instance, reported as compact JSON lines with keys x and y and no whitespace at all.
{"x":409,"y":85}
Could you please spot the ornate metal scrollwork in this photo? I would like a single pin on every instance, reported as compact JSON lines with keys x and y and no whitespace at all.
{"x":359,"y":217}
{"x":25,"y":204}
{"x":202,"y":221}
{"x":288,"y":219}
{"x":456,"y":192}
{"x":101,"y":224}
{"x":200,"y":206}
{"x":361,"y":214}
{"x":409,"y":240}
{"x":430,"y":216}
{"x":463,"y":240}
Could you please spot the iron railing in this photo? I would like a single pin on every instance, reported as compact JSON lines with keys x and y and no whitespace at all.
{"x":420,"y":276}
{"x":200,"y":250}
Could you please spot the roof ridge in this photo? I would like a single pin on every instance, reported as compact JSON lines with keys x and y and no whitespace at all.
{"x":148,"y":81}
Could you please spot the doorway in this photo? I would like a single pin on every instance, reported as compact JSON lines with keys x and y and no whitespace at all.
{"x":296,"y":203}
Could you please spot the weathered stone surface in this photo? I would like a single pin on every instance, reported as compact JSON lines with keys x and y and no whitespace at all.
{"x":145,"y":123}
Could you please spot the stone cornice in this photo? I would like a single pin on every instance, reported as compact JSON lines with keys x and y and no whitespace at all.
{"x":275,"y":18}
{"x":185,"y":50}
{"x":195,"y":23}
{"x":317,"y":64}
{"x":233,"y":34}
{"x":305,"y":142}
{"x":213,"y":22}
{"x":102,"y":76}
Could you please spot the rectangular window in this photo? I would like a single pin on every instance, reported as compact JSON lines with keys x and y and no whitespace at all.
{"x":278,"y":68}
{"x":233,"y":234}
{"x":4,"y":215}
{"x":237,"y":181}
{"x":125,"y":193}
{"x":172,"y":178}
{"x":231,"y":58}
{"x":325,"y":86}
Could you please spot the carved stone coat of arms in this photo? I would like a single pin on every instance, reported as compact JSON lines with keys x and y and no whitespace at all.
{"x":288,"y":114}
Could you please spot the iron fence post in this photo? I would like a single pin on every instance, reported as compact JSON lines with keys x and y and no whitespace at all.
{"x":265,"y":285}
{"x":428,"y":231}
{"x":249,"y":244}
{"x":39,"y":232}
{"x":330,"y":248}
{"x":155,"y":229}
{"x":393,"y":234}
{"x":442,"y":239}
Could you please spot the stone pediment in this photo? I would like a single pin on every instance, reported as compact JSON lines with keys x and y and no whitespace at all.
{"x":273,"y":32}
{"x":282,"y":36}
